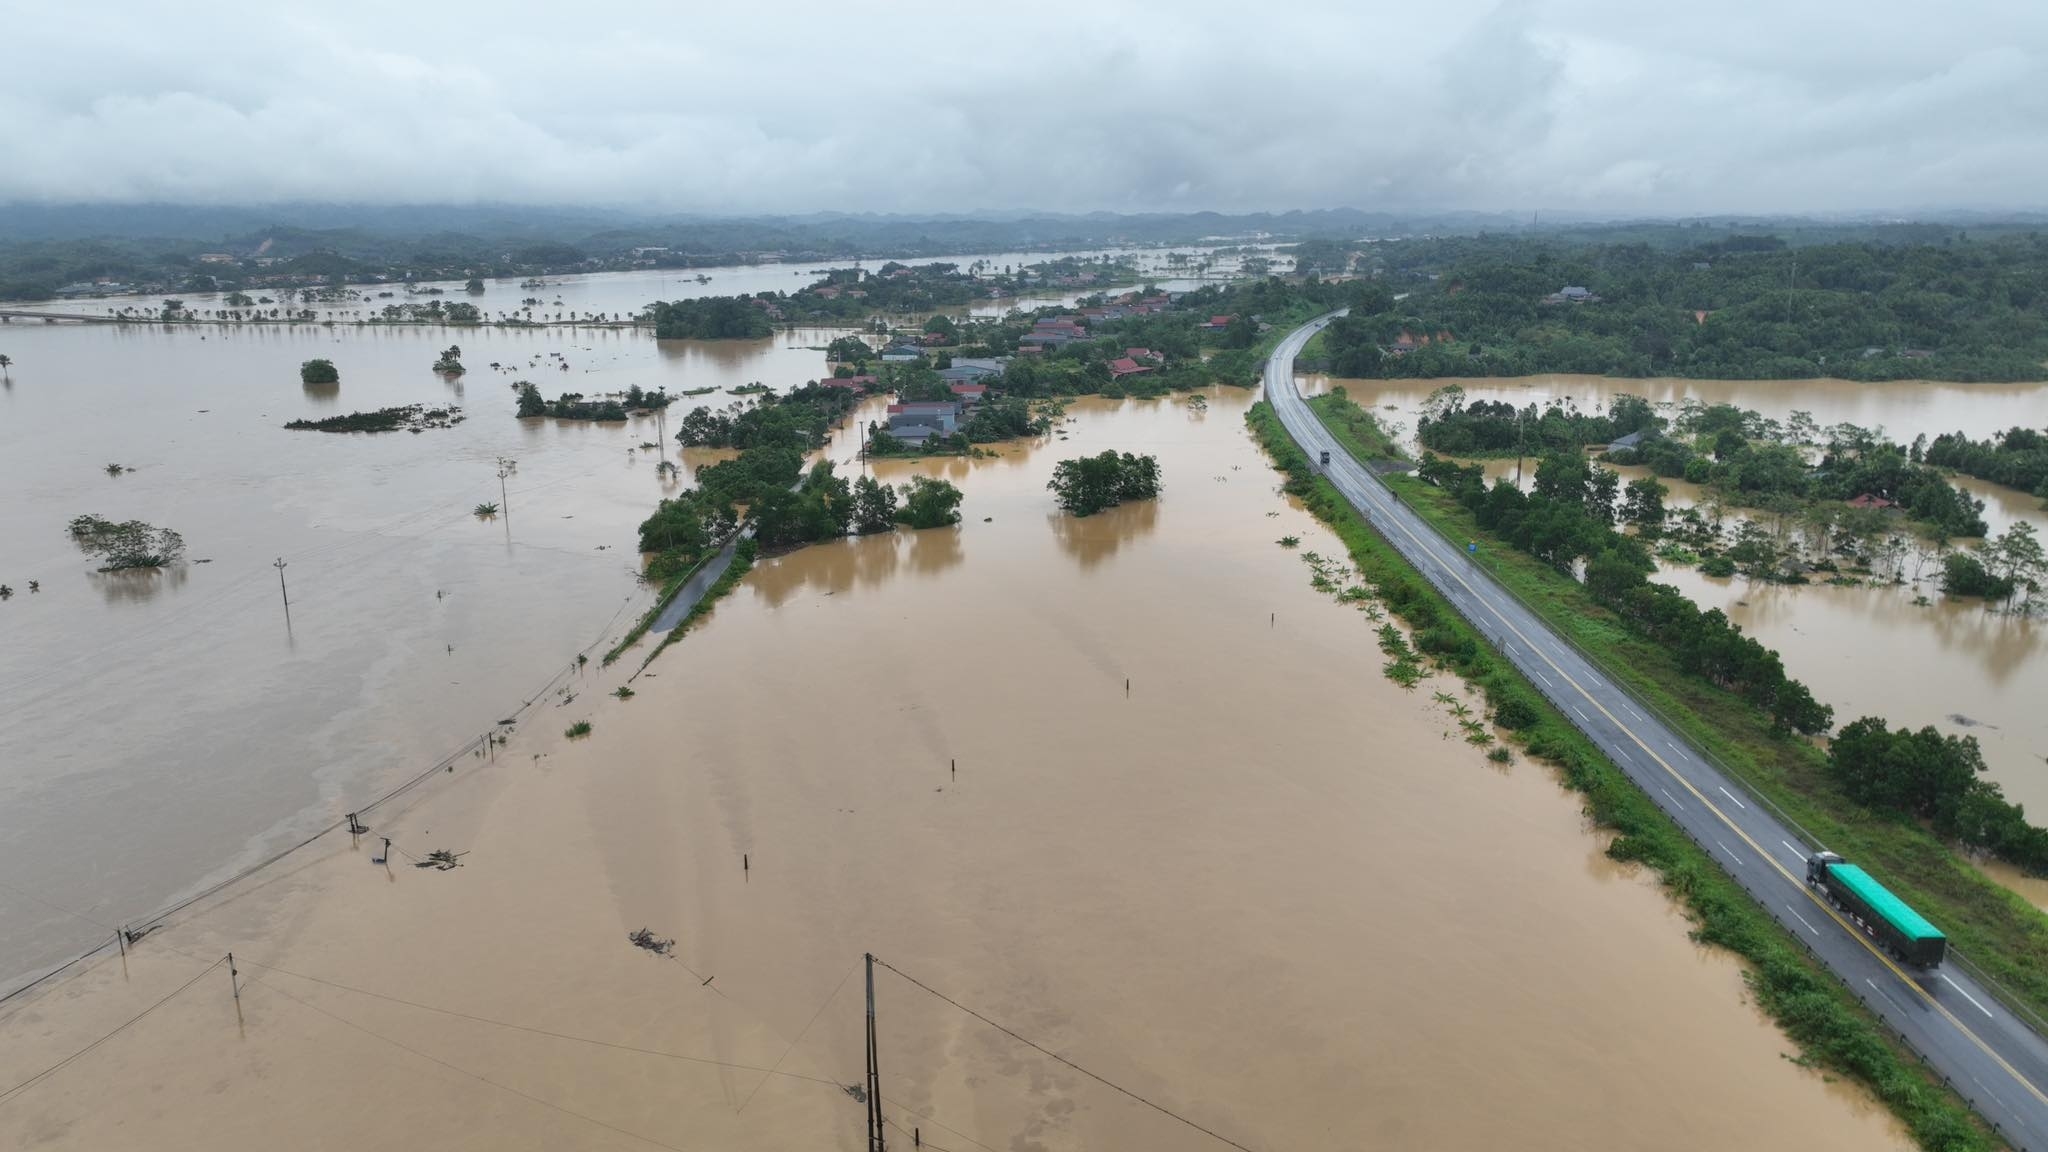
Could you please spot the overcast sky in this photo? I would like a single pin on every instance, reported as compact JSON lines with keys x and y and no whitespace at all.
{"x":1610,"y":106}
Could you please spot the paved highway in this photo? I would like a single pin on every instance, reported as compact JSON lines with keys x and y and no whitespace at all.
{"x":1994,"y":1059}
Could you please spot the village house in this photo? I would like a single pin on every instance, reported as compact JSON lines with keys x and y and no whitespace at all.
{"x":970,"y":394}
{"x":860,"y":384}
{"x":1125,"y":366}
{"x":1215,"y":323}
{"x":1571,"y":294}
{"x":901,"y":353}
{"x":969,"y":371}
{"x":915,"y":421}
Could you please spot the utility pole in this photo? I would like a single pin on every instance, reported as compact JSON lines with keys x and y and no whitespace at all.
{"x":506,"y":466}
{"x":281,"y":591}
{"x":876,"y":1140}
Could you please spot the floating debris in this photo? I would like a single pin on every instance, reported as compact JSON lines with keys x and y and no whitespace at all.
{"x":648,"y":940}
{"x":441,"y":860}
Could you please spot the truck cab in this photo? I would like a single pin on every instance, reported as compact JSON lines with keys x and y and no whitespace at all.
{"x":1326,"y":457}
{"x":1817,"y":866}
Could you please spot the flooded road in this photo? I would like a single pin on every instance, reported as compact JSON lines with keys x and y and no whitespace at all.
{"x":1262,"y":889}
{"x":1868,"y":650}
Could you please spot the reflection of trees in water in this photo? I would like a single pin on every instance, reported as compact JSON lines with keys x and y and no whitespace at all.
{"x":1093,"y":539}
{"x":933,"y":550}
{"x":322,"y":394}
{"x":136,"y":585}
{"x":1998,"y":643}
{"x":838,"y":566}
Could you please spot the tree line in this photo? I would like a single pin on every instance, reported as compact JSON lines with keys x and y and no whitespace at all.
{"x":1569,"y":518}
{"x":2016,"y":458}
{"x":1927,"y":776}
{"x":1750,"y":307}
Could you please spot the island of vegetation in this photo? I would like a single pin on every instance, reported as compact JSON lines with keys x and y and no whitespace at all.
{"x":319,"y":372}
{"x":615,"y":406}
{"x":766,"y":483}
{"x":404,"y":418}
{"x":126,"y":545}
{"x":450,"y":363}
{"x":1090,"y":484}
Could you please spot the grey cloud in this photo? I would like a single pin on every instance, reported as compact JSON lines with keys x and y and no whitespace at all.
{"x":1593,"y":105}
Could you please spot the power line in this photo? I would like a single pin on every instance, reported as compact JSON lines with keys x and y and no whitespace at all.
{"x":1160,"y":1108}
{"x":477,"y":1076}
{"x":553,"y":1035}
{"x":109,"y":1036}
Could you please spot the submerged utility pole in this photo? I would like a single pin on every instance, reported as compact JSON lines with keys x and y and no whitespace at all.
{"x":506,"y":466}
{"x":876,"y":1141}
{"x":281,"y":591}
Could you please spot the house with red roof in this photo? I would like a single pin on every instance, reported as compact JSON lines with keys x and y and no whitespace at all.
{"x":1142,"y":354}
{"x":970,"y":394}
{"x":1866,"y":500}
{"x":1125,"y":366}
{"x":857,"y":383}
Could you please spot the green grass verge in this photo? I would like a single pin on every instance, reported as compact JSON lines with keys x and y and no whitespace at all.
{"x":1833,"y":1031}
{"x":742,"y":563}
{"x":2000,"y":933}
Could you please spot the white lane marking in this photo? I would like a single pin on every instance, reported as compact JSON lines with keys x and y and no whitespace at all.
{"x":1669,"y":796}
{"x":1796,"y":852}
{"x":1802,"y":919}
{"x":1966,"y":995}
{"x":1542,"y":677}
{"x":1638,"y":715}
{"x":1582,"y":714}
{"x":1731,"y":796}
{"x":1730,"y":852}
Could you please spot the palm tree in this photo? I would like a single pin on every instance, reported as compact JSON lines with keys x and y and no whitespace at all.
{"x":6,"y":362}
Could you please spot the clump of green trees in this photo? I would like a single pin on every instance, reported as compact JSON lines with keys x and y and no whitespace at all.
{"x":408,"y":417}
{"x":710,"y":318}
{"x":789,"y":506}
{"x":450,"y":363}
{"x":1090,"y":484}
{"x":319,"y":372}
{"x":1449,"y":424}
{"x":2000,"y":569}
{"x":1752,"y":460}
{"x":575,"y":406}
{"x":1928,"y":776}
{"x":2016,"y":458}
{"x":128,"y":544}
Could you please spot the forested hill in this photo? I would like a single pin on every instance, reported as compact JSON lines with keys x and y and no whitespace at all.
{"x":1741,"y":307}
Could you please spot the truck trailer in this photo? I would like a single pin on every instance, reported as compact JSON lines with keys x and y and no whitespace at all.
{"x":1883,"y":917}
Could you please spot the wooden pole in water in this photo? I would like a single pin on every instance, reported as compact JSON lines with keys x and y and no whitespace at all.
{"x":234,"y":980}
{"x":877,"y":1142}
{"x":121,"y":939}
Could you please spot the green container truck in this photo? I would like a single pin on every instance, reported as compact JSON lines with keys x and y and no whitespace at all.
{"x":1884,"y":917}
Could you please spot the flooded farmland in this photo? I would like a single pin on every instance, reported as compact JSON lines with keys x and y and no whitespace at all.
{"x":1868,"y":650}
{"x":1262,"y":886}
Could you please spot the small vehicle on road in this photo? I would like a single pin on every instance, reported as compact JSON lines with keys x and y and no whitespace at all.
{"x":1326,"y":457}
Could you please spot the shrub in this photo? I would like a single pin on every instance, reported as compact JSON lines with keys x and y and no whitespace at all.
{"x":578,"y":730}
{"x":319,"y":372}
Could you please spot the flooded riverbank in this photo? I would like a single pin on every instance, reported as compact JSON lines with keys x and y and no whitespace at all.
{"x":1262,"y":888}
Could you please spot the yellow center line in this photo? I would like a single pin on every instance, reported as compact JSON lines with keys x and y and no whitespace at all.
{"x":1823,"y":905}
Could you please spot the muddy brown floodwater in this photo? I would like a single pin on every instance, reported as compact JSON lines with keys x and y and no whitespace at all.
{"x":1263,"y":889}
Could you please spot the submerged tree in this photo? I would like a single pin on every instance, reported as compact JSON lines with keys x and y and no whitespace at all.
{"x":929,"y":503}
{"x":1092,"y":483}
{"x":319,"y":372}
{"x":450,"y":363}
{"x":130,"y":544}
